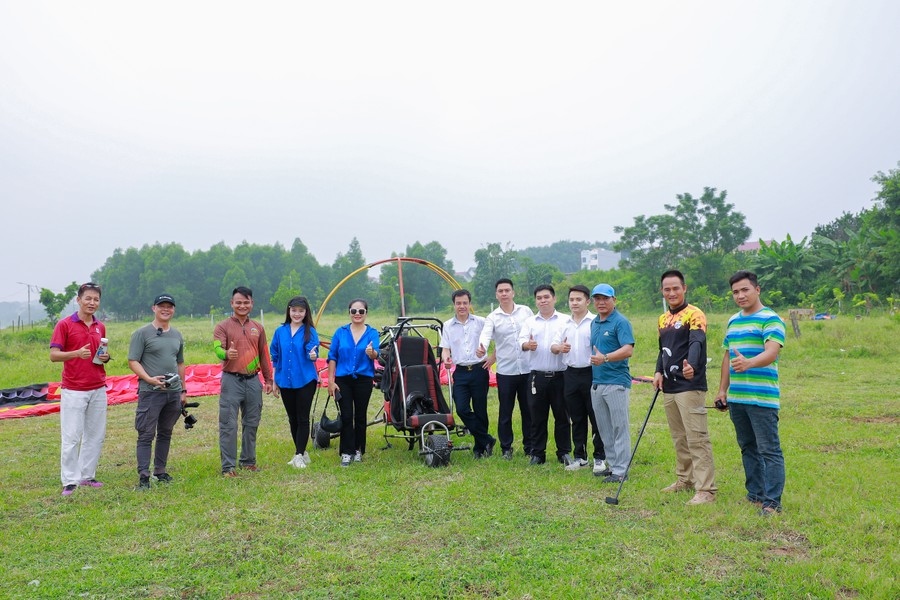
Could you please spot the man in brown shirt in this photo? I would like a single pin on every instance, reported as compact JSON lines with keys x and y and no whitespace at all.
{"x":240,"y":342}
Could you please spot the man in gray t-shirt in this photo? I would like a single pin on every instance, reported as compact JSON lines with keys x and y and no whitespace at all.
{"x":156,"y":355}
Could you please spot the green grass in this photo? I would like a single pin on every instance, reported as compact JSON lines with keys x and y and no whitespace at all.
{"x":392,"y":528}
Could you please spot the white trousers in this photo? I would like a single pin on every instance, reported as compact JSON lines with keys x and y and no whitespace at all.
{"x":82,"y":420}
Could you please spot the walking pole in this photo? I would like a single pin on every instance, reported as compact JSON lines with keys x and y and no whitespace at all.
{"x":615,"y":500}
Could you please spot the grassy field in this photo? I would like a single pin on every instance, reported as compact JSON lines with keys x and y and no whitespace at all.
{"x":392,"y":528}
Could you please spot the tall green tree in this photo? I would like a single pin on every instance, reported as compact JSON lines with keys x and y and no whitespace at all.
{"x":492,"y":262}
{"x":54,"y":303}
{"x":356,"y":287}
{"x":423,"y":289}
{"x":707,"y":225}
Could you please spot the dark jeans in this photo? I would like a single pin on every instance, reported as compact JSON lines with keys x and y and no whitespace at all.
{"x":546,"y":395}
{"x":156,"y":416}
{"x":510,"y":387}
{"x":756,"y":428}
{"x":354,"y":403}
{"x":581,"y":411}
{"x":297,"y":403}
{"x":470,"y":389}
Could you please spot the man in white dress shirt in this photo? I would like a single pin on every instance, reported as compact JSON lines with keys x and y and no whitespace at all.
{"x":573,"y":341}
{"x":503,"y":326}
{"x":546,"y":377}
{"x":471,"y":377}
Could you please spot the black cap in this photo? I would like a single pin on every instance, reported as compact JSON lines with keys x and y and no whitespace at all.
{"x":164,"y":298}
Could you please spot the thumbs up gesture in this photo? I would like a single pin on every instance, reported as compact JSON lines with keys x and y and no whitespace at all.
{"x":565,"y":347}
{"x":370,"y":351}
{"x":531,"y":344}
{"x":597,"y":358}
{"x":313,"y":355}
{"x":480,"y":351}
{"x":232,"y":351}
{"x":739,"y":363}
{"x":687,"y":370}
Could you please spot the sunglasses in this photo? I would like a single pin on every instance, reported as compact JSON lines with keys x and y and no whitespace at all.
{"x":357,"y":311}
{"x":89,"y":286}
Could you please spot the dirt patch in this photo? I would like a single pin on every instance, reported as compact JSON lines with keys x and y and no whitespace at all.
{"x":885,"y":419}
{"x":789,"y":543}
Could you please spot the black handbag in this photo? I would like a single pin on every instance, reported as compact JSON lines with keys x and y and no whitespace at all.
{"x":331,"y":425}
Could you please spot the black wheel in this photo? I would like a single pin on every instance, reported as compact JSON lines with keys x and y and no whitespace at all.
{"x":320,"y":437}
{"x":437,"y":451}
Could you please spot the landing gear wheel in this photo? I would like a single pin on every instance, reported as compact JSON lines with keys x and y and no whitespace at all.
{"x":437,"y":451}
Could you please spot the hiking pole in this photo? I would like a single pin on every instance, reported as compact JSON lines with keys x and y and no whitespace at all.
{"x":615,"y":500}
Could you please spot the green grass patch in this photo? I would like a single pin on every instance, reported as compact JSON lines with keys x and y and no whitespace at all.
{"x":392,"y":528}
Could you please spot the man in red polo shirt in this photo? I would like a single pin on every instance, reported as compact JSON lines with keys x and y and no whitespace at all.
{"x":82,"y":408}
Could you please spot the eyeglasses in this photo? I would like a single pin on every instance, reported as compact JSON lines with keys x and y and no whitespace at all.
{"x":89,"y":286}
{"x":357,"y":311}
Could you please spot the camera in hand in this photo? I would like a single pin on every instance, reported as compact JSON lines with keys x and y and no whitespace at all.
{"x":720,"y":405}
{"x":170,"y":379}
{"x":189,"y":419}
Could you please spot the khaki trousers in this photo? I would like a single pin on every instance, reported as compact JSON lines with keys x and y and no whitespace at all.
{"x":686,"y":414}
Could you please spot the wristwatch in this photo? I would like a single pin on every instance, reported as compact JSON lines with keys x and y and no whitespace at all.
{"x":606,"y":358}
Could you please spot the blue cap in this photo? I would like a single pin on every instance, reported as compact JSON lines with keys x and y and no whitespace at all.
{"x":604,"y":289}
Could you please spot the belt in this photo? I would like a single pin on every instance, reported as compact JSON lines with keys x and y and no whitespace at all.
{"x":547,"y":374}
{"x":242,"y":376}
{"x":471,"y":367}
{"x":579,"y":369}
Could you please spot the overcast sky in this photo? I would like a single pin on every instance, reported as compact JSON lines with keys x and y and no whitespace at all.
{"x":123,"y":123}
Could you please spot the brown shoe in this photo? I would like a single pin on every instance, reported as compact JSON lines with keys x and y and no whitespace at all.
{"x":755,"y":503}
{"x":702,"y":498}
{"x":678,"y":486}
{"x":229,"y":473}
{"x":253,"y":468}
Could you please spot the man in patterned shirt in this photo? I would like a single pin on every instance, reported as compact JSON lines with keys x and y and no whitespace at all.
{"x":749,"y":390}
{"x":681,"y":375}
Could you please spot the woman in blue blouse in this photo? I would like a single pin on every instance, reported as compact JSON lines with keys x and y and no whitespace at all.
{"x":351,"y":367}
{"x":294,"y":350}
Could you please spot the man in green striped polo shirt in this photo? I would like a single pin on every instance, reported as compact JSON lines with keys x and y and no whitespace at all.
{"x":749,"y":390}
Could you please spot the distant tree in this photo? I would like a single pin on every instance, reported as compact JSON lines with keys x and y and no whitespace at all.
{"x":535,"y":274}
{"x":424,"y":290}
{"x":54,"y":304}
{"x":287,"y":289}
{"x":356,"y":287}
{"x":492,"y":262}
{"x":565,"y":255}
{"x":786,"y":266}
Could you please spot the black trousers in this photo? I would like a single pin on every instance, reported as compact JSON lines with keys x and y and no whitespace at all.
{"x":470,"y":390}
{"x":354,"y":403}
{"x":297,"y":403}
{"x":581,"y":411}
{"x":546,"y":394}
{"x":510,"y":387}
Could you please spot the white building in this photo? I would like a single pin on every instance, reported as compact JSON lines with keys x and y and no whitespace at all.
{"x":598,"y":259}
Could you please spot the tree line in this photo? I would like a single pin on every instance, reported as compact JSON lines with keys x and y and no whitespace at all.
{"x":852,"y":262}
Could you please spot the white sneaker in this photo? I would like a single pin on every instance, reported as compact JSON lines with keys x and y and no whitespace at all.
{"x":576,"y":464}
{"x":345,"y":460}
{"x":601,"y":468}
{"x":297,"y":462}
{"x":306,"y":458}
{"x":357,"y":457}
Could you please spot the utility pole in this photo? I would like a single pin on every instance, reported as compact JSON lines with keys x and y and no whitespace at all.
{"x":28,"y":286}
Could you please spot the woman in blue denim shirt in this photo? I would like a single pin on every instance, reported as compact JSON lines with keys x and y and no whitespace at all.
{"x":294,"y":350}
{"x":351,"y":368}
